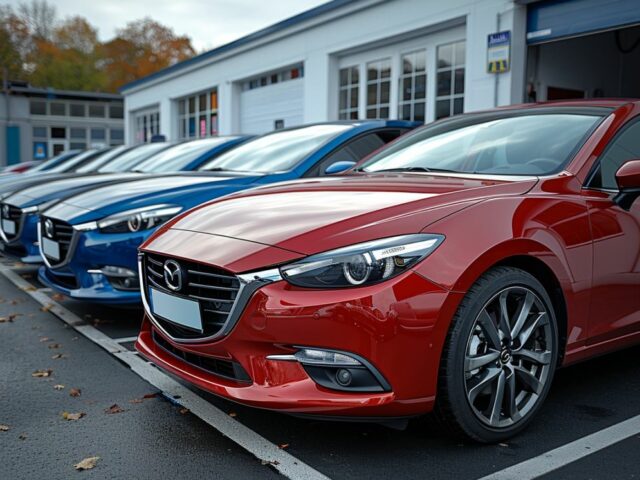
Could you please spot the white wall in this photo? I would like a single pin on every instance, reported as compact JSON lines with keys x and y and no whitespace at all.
{"x":320,"y":41}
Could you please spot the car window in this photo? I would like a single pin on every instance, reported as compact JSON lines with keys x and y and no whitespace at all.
{"x":97,"y":162}
{"x":278,"y":151}
{"x":75,"y":162}
{"x":522,"y":144}
{"x":132,"y":158}
{"x":179,"y":156}
{"x":623,"y":148}
{"x":355,"y":150}
{"x":57,"y":160}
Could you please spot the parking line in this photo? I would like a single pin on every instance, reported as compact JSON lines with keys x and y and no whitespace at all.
{"x":267,"y":452}
{"x":552,"y":460}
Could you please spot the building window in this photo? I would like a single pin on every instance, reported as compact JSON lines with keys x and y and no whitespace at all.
{"x":349,"y":91}
{"x":147,"y":125}
{"x":58,"y":132}
{"x":198,"y":115}
{"x":76,"y":133}
{"x":450,"y":79}
{"x":378,"y":88}
{"x":77,"y":146}
{"x":39,"y":132}
{"x":413,"y":87}
{"x":38,"y":107}
{"x":116,"y":111}
{"x":98,"y":134}
{"x":116,"y":136}
{"x":96,"y":111}
{"x":57,"y":108}
{"x":77,"y":110}
{"x":284,"y":75}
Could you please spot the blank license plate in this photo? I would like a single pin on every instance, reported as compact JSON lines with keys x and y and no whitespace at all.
{"x":9,"y":227}
{"x":181,"y":311}
{"x":50,"y":248}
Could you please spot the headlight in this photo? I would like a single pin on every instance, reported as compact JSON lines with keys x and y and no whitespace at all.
{"x":138,"y":219}
{"x":361,"y":264}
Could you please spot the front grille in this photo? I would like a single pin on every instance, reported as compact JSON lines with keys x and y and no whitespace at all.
{"x":68,"y":281}
{"x":9,"y":212}
{"x":60,"y":232}
{"x":215,"y":290}
{"x":217,"y":366}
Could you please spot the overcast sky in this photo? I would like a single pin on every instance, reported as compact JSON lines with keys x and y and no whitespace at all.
{"x":209,"y":23}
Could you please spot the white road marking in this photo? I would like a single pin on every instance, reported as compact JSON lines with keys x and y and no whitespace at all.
{"x":552,"y":460}
{"x":263,"y":449}
{"x":125,"y":339}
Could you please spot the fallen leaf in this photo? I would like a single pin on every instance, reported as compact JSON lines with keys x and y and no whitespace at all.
{"x":73,"y":416}
{"x":233,"y":414}
{"x":184,"y":411}
{"x":9,"y":318}
{"x":150,"y":395}
{"x":75,"y":392}
{"x":58,"y":356}
{"x":4,"y":428}
{"x":45,"y":339}
{"x":30,"y":288}
{"x":115,"y":408}
{"x":22,"y":436}
{"x":87,"y":464}
{"x":47,"y":307}
{"x":59,"y":387}
{"x":270,"y":462}
{"x":57,"y":297}
{"x":54,"y":345}
{"x":283,"y":446}
{"x":136,"y":400}
{"x":42,"y":373}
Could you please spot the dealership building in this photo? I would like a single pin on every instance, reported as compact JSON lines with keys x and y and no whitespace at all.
{"x":407,"y":59}
{"x":38,"y":123}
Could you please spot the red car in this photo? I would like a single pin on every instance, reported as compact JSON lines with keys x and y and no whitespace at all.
{"x":453,"y":270}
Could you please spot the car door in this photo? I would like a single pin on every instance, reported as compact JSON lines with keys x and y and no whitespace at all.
{"x":615,"y":299}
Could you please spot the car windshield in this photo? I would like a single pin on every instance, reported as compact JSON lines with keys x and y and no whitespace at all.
{"x":55,"y":161}
{"x":75,"y":162}
{"x":180,"y":156}
{"x":275,"y":152}
{"x":129,"y":160}
{"x":103,"y":159}
{"x":520,"y":144}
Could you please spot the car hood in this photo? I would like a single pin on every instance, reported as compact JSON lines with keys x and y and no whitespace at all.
{"x":316,"y":215}
{"x":14,"y":184}
{"x":54,"y":190}
{"x":186,"y":190}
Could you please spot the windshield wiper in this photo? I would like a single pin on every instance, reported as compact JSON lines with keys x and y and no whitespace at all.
{"x":416,"y":169}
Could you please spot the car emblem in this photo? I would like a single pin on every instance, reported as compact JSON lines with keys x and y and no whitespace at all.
{"x":5,"y":211}
{"x":173,"y":275}
{"x":48,"y":228}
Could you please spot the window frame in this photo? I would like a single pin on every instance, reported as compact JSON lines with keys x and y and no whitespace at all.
{"x":451,"y":97}
{"x":413,"y":101}
{"x":184,"y":116}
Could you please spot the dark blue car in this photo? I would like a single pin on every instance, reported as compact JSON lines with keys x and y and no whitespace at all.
{"x":89,"y":242}
{"x":19,"y":211}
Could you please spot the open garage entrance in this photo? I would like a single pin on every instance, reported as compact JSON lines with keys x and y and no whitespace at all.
{"x":575,"y":51}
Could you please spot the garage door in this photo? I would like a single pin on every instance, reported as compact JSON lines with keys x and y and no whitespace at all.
{"x":282,"y":103}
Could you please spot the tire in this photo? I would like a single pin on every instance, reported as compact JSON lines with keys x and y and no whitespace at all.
{"x":495,"y":375}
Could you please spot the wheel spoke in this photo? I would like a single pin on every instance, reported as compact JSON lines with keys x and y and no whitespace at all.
{"x":525,"y":334}
{"x":505,"y":324}
{"x":473,"y":363}
{"x":541,"y":358}
{"x":490,"y":329}
{"x":525,"y":309}
{"x":529,"y":382}
{"x":511,"y":394}
{"x":497,"y":397}
{"x":489,"y":375}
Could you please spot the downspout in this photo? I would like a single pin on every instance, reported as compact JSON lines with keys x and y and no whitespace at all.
{"x":496,"y":80}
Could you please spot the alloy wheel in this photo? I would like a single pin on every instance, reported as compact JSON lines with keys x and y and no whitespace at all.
{"x":508,"y":357}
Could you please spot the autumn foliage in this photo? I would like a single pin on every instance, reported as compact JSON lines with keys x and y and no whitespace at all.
{"x":68,"y":54}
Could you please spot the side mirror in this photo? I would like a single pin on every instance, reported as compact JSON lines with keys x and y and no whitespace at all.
{"x":338,"y":167}
{"x":628,"y":180}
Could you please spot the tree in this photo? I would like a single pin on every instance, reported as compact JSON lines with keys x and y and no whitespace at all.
{"x":40,"y":18}
{"x":14,"y":43}
{"x":141,"y":48}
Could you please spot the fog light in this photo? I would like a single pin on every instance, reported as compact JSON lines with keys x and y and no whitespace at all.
{"x":121,"y":278}
{"x":343,"y":377}
{"x":324,"y":357}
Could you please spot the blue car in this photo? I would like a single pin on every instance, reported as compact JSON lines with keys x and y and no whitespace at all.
{"x":19,"y":211}
{"x":89,"y":242}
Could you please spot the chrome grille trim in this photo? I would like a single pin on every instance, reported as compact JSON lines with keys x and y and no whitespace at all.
{"x":69,"y":238}
{"x":16,"y":215}
{"x":249,"y":284}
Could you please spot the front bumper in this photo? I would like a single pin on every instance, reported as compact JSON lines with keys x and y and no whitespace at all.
{"x":25,"y":246}
{"x":78,"y":278}
{"x":398,"y":326}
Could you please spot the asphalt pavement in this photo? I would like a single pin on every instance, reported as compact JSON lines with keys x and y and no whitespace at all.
{"x":151,"y":438}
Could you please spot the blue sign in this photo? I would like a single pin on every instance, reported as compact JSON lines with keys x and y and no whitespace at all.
{"x":39,"y":150}
{"x":498,"y":52}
